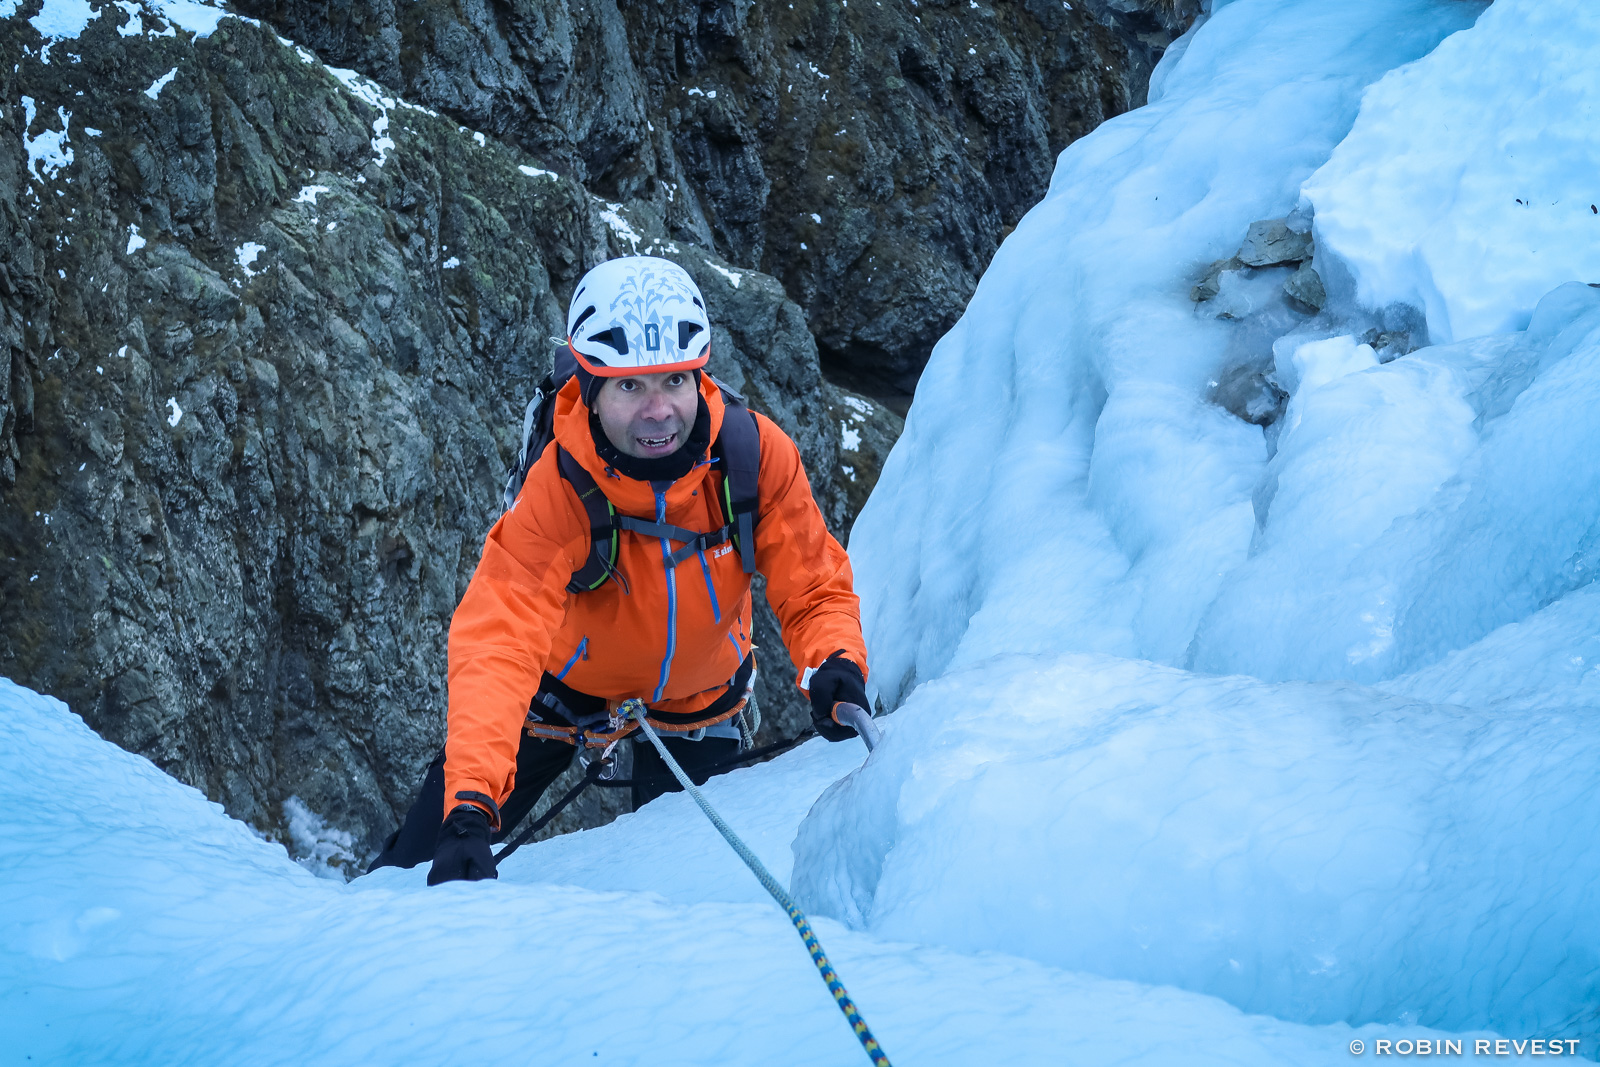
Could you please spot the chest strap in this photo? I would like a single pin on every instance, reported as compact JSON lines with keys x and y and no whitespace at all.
{"x":737,"y":448}
{"x":694,"y":541}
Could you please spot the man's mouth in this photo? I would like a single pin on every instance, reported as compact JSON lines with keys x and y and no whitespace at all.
{"x":657,"y":444}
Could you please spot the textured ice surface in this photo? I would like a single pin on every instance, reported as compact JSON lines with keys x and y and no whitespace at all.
{"x":1421,"y":504}
{"x":139,"y":925}
{"x":1099,"y":499}
{"x":1066,"y":502}
{"x":1467,"y":186}
{"x":1315,"y":852}
{"x":1063,"y":851}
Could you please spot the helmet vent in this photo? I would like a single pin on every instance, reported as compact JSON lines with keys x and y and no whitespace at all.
{"x":614,"y":337}
{"x":697,"y":303}
{"x":590,"y":310}
{"x":686,"y":332}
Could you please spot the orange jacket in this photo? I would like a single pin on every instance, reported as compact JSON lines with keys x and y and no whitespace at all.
{"x":673,"y":639}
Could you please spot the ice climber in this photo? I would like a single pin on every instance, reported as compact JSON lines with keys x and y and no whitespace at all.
{"x":622,"y":570}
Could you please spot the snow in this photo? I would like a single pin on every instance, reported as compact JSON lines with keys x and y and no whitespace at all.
{"x":1211,"y":743}
{"x":1062,"y":782}
{"x":62,"y":19}
{"x":175,"y":413}
{"x":733,"y":277}
{"x":197,"y":18}
{"x":49,"y":152}
{"x":322,"y":849}
{"x":246,"y":254}
{"x":1466,"y":185}
{"x":183,"y":936}
{"x":66,"y":19}
{"x":612,"y":217}
{"x":1309,"y":852}
{"x":450,"y":264}
{"x":134,"y":26}
{"x":135,"y":242}
{"x":535,"y":172}
{"x":161,"y":83}
{"x":308,"y":194}
{"x":370,"y":92}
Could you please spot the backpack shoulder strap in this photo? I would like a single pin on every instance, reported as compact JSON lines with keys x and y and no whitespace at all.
{"x":603,"y":529}
{"x":739,"y":447}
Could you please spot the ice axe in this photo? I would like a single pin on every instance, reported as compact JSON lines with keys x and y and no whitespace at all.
{"x":856,"y":717}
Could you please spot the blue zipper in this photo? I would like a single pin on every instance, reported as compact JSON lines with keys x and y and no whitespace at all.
{"x":672,"y":600}
{"x":705,"y":569}
{"x":581,"y":652}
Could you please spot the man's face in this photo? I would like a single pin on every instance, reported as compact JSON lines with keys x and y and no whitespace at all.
{"x":648,"y":415}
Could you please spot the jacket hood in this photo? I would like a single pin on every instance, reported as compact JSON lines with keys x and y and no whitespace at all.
{"x":630,"y":495}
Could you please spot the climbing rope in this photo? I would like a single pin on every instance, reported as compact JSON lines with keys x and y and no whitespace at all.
{"x":593,"y":775}
{"x":636,"y":709}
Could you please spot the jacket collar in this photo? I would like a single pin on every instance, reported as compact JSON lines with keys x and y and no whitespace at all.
{"x":626,"y":494}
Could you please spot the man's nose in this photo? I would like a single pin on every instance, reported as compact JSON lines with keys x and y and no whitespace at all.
{"x":655,"y":408}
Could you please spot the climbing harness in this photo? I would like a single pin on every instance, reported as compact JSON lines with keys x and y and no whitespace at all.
{"x":802,"y":925}
{"x":599,"y":771}
{"x":593,"y":773}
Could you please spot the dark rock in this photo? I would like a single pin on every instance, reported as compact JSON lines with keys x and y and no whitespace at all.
{"x":1210,"y":282}
{"x":870,"y":157}
{"x":1389,"y":344}
{"x":1249,"y":393}
{"x":1271,"y":242}
{"x":261,"y":370}
{"x":1305,"y":285}
{"x":246,"y":467}
{"x":867,"y":431}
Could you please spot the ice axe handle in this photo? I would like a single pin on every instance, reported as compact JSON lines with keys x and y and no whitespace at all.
{"x":855,"y":716}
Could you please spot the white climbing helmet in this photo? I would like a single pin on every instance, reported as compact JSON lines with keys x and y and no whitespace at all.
{"x":638,"y":314}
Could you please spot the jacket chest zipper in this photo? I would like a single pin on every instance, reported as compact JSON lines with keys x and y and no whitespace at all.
{"x":672,"y":600}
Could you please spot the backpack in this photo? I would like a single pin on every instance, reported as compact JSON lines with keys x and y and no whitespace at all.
{"x":737,"y":448}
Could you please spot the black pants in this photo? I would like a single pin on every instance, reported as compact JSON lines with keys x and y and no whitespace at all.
{"x":540,"y":762}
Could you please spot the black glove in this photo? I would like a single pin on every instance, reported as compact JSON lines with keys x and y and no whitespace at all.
{"x":836,"y":680}
{"x":463,"y":850}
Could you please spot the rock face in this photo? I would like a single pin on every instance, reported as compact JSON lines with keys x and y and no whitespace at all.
{"x":869,"y":156}
{"x":267,"y":327}
{"x":1272,"y":290}
{"x":268,"y":336}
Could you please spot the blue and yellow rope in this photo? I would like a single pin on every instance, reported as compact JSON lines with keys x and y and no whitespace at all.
{"x":636,"y":710}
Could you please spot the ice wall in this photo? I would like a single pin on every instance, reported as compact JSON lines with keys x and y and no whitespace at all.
{"x":1314,"y":852}
{"x":1063,"y":483}
{"x":1468,"y":185}
{"x":1414,"y":507}
{"x":1356,"y":783}
{"x":139,"y":925}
